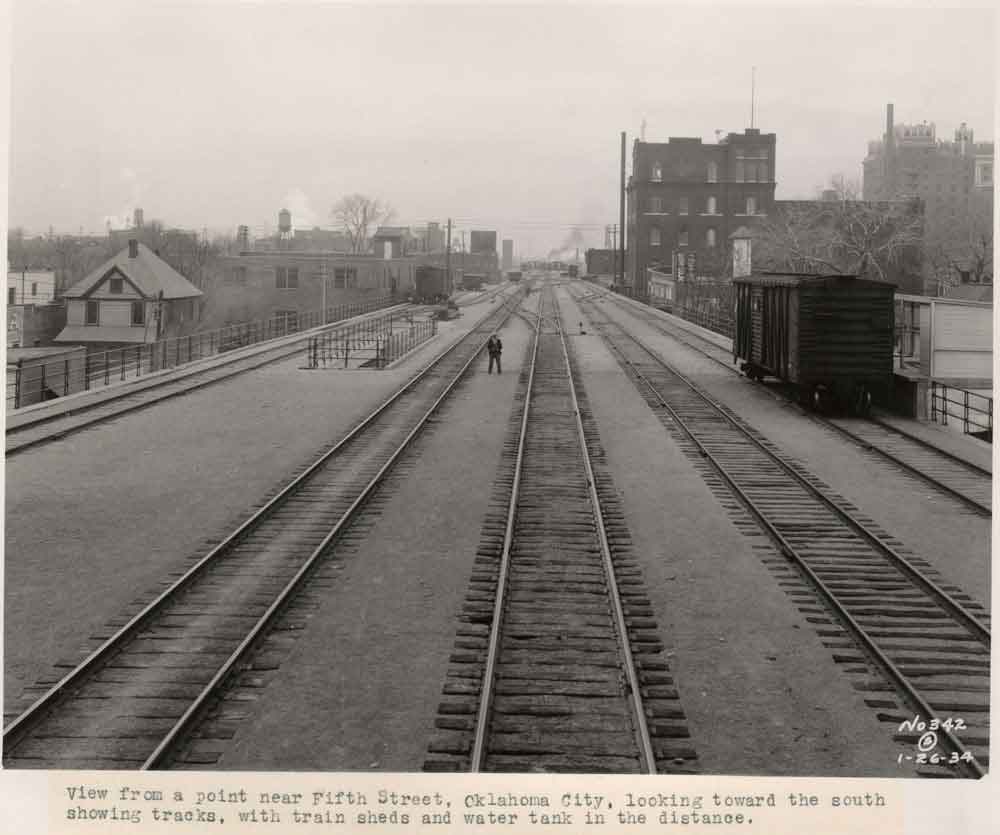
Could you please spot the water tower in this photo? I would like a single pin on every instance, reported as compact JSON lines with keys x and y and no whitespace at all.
{"x":284,"y":228}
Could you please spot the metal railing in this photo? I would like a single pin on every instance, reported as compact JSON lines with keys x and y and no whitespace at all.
{"x":973,"y":409}
{"x":30,"y":382}
{"x":712,"y":320}
{"x":373,"y":344}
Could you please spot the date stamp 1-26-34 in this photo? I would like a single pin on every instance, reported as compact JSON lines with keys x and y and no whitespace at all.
{"x":926,"y":732}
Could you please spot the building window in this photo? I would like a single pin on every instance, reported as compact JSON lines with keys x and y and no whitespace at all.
{"x":654,"y":236}
{"x":751,"y":205}
{"x":345,"y":277}
{"x":138,"y":313}
{"x":286,"y":278}
{"x":713,"y":172}
{"x":657,"y":172}
{"x":93,"y":314}
{"x":11,"y":295}
{"x":240,"y":276}
{"x":682,"y":236}
{"x":656,"y":204}
{"x":116,"y":285}
{"x":710,"y":205}
{"x":710,"y":236}
{"x":739,"y":171}
{"x":34,"y":288}
{"x":682,"y":205}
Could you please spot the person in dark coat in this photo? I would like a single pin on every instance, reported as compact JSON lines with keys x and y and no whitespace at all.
{"x":495,"y":348}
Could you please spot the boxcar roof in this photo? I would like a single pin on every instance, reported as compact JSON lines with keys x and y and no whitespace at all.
{"x":776,"y":279}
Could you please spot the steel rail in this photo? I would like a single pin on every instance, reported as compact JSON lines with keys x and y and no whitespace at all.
{"x":477,"y":760}
{"x":976,"y":505}
{"x":956,"y":609}
{"x":925,"y":443}
{"x":265,"y":356}
{"x":19,"y":726}
{"x":899,"y":680}
{"x":202,"y":701}
{"x":635,"y":692}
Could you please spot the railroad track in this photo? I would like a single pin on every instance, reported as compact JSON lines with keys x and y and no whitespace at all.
{"x":962,"y":480}
{"x":31,"y":430}
{"x":557,"y":665}
{"x":135,"y":701}
{"x":928,"y":646}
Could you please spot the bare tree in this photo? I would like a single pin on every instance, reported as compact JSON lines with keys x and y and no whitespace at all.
{"x":841,"y":235}
{"x":970,"y":262}
{"x":356,"y":214}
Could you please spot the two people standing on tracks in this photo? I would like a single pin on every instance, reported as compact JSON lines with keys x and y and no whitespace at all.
{"x":495,"y":347}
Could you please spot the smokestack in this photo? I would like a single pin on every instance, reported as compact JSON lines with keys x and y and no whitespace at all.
{"x":133,"y":248}
{"x":890,"y":155}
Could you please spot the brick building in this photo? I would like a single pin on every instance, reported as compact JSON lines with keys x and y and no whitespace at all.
{"x":265,"y":284}
{"x":954,"y":180}
{"x":685,"y":197}
{"x":600,"y":261}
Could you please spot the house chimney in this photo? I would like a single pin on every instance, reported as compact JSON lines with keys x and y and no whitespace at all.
{"x":133,"y":248}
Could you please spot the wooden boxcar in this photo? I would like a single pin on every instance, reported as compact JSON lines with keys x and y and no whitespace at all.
{"x":431,"y":284}
{"x":831,"y":336}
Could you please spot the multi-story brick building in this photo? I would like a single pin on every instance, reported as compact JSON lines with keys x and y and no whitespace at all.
{"x":953,"y":179}
{"x":685,"y":197}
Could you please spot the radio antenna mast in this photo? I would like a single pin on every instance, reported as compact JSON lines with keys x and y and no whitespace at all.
{"x":753,"y":92}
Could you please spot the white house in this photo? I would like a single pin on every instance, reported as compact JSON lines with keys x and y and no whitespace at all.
{"x":133,"y":298}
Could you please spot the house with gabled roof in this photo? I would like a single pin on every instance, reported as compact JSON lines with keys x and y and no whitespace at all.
{"x":133,"y":298}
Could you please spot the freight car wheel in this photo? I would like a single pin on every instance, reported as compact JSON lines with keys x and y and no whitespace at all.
{"x":820,"y":399}
{"x":861,"y":404}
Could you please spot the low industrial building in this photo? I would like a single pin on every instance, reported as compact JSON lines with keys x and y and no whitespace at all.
{"x":286,"y":284}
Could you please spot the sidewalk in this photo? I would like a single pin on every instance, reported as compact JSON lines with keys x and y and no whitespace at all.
{"x":86,"y":399}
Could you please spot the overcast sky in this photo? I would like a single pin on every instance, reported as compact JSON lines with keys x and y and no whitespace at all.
{"x":502,"y":117}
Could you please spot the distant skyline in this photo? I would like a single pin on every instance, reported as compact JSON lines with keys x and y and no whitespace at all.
{"x":501,"y":117}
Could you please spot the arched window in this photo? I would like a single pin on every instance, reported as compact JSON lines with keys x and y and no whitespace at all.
{"x":713,"y":172}
{"x":682,"y":236}
{"x":710,"y":236}
{"x":654,"y":236}
{"x":657,"y":172}
{"x":710,"y":205}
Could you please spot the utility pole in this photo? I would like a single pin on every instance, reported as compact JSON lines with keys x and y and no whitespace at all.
{"x":463,"y":254}
{"x":447,"y":260}
{"x":322,"y":275}
{"x":621,"y":212}
{"x":613,"y":232}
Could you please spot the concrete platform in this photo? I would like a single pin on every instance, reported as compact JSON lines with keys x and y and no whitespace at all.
{"x":97,"y":520}
{"x":102,"y":394}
